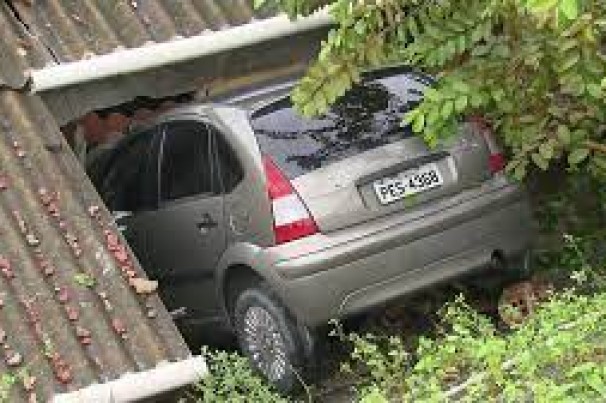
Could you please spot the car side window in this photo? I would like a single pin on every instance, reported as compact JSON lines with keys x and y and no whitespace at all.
{"x":229,"y":168}
{"x":185,"y":168}
{"x":128,"y":183}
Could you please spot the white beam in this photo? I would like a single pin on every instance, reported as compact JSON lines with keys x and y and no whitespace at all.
{"x":137,"y":386}
{"x":156,"y":55}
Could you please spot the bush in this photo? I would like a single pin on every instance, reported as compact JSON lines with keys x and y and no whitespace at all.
{"x":231,"y":379}
{"x":571,"y":212}
{"x":558,"y":355}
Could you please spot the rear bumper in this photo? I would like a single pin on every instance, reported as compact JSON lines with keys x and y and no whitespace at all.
{"x":320,"y":279}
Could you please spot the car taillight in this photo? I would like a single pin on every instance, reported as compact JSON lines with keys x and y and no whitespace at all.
{"x":292,"y":220}
{"x":496,"y":159}
{"x":496,"y":162}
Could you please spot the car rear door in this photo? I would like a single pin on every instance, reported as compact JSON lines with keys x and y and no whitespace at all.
{"x":185,"y":236}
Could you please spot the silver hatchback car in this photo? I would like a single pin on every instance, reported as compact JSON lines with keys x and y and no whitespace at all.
{"x":274,"y":224}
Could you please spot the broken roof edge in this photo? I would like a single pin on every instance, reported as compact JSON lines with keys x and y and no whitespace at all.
{"x":161,"y":54}
{"x":166,"y":377}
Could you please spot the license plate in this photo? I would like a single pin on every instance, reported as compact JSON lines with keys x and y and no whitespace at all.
{"x":408,"y":183}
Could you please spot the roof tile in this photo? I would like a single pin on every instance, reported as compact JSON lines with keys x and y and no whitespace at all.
{"x":73,"y":30}
{"x":71,"y":307}
{"x":18,"y":50}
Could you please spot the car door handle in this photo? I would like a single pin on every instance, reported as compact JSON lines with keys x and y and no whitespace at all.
{"x":206,"y":223}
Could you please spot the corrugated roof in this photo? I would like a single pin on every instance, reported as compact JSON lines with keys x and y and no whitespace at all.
{"x":70,"y":310}
{"x":76,"y":29}
{"x":18,"y":50}
{"x":36,"y":34}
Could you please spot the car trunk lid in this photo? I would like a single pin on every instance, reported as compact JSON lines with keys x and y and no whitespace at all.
{"x":346,"y":193}
{"x":357,"y":162}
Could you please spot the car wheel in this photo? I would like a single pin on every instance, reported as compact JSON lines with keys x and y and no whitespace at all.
{"x":270,"y":337}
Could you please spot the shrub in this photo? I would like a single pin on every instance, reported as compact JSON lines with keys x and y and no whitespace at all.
{"x":559,"y":354}
{"x":231,"y":379}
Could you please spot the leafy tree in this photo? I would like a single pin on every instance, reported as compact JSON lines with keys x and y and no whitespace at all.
{"x":534,"y":70}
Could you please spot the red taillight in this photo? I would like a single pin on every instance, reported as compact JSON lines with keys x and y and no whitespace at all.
{"x":292,"y":220}
{"x":496,"y":162}
{"x":496,"y":159}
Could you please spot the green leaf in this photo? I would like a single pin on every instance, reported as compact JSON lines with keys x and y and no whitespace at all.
{"x":476,"y":100}
{"x":432,"y":116}
{"x":600,"y":163}
{"x":578,"y":135}
{"x":541,"y":5}
{"x":594,"y":90}
{"x":501,"y":50}
{"x":569,"y":62}
{"x":419,"y":123}
{"x":519,"y":172}
{"x":477,"y":35}
{"x":374,"y":396}
{"x":432,"y":94}
{"x":578,"y":156}
{"x":259,"y":3}
{"x":574,"y":84}
{"x":563,"y":133}
{"x":596,"y":382}
{"x":451,"y":49}
{"x":85,"y":280}
{"x":461,"y":86}
{"x":570,"y":8}
{"x":498,"y":94}
{"x":308,"y":109}
{"x":360,"y":27}
{"x":568,"y":44}
{"x":546,"y":150}
{"x":410,"y":116}
{"x":462,"y":44}
{"x":539,"y":161}
{"x":481,"y":50}
{"x":447,"y":109}
{"x":461,"y":103}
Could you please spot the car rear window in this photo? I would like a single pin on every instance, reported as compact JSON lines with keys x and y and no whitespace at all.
{"x":367,"y":116}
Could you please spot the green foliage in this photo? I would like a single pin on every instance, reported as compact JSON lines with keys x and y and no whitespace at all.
{"x":84,"y":280}
{"x":534,"y":69}
{"x":7,"y":381}
{"x":10,"y":381}
{"x":384,"y":360}
{"x":231,"y":379}
{"x":294,"y":7}
{"x":558,"y":355}
{"x":571,"y":212}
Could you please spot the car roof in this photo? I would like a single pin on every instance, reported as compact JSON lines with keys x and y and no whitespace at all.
{"x":256,"y":101}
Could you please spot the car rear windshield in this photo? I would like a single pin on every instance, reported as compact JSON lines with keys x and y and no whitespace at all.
{"x":366,"y":117}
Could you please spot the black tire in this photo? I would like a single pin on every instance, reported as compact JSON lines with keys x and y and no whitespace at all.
{"x":276,"y":346}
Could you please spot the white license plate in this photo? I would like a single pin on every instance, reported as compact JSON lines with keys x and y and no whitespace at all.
{"x":408,"y":183}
